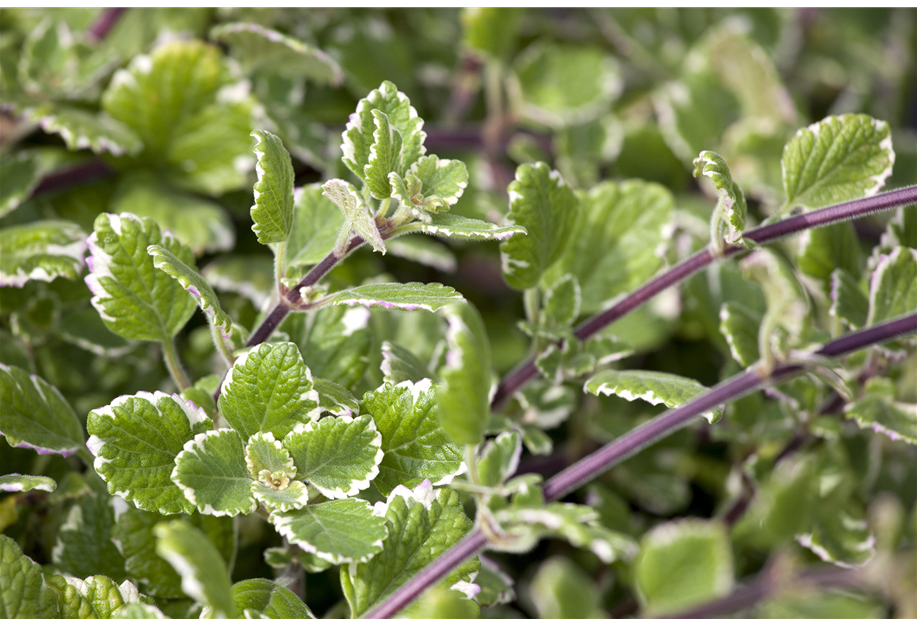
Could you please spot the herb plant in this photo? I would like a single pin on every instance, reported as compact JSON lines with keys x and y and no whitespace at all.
{"x":335,"y":413}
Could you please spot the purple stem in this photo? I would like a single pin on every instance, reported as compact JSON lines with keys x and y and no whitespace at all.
{"x":677,"y":273}
{"x":636,"y":440}
{"x":103,"y":25}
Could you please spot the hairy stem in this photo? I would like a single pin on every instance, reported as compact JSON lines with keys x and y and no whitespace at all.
{"x":170,"y":355}
{"x":701,"y":259}
{"x":636,"y":440}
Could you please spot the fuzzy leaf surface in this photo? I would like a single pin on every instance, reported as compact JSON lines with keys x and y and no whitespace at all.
{"x":414,"y":444}
{"x":404,"y":296}
{"x":431,"y":185}
{"x":33,"y":414}
{"x":357,"y":218}
{"x":41,"y":251}
{"x":268,"y":389}
{"x":212,"y":474}
{"x":135,"y":440}
{"x":384,"y":156}
{"x":272,"y":212}
{"x":840,"y":158}
{"x":136,"y":300}
{"x":653,"y":387}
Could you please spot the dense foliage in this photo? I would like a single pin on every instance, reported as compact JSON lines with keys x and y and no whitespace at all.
{"x":294,"y":300}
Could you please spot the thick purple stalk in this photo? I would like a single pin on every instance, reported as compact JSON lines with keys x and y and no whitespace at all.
{"x":701,"y":259}
{"x":106,"y":21}
{"x":636,"y":440}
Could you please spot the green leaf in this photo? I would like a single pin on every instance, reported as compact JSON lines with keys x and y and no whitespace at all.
{"x":84,"y":328}
{"x":823,"y":250}
{"x":782,"y":504}
{"x":193,"y":121}
{"x":840,"y":158}
{"x":73,"y":605}
{"x":337,"y":341}
{"x":251,"y":276}
{"x":384,"y":156}
{"x":563,"y":590}
{"x":464,"y":396}
{"x":96,"y":596}
{"x":496,"y":586}
{"x":542,"y":203}
{"x":133,"y":534}
{"x":490,"y":30}
{"x":316,"y":224}
{"x":839,"y":534}
{"x":340,"y":532}
{"x":211,"y":472}
{"x":41,"y":251}
{"x":196,"y":559}
{"x":83,"y":545}
{"x":268,"y":389}
{"x":399,"y":364}
{"x":136,"y":611}
{"x":339,"y":456}
{"x":499,"y":458}
{"x":25,"y":483}
{"x":424,"y":251}
{"x":802,"y":603}
{"x":272,"y":469}
{"x":24,"y":593}
{"x":848,"y":301}
{"x":731,"y":197}
{"x":135,"y":441}
{"x":653,"y":387}
{"x":564,"y":84}
{"x":462,"y":228}
{"x":359,"y":135}
{"x":421,"y":525}
{"x":404,"y":296}
{"x":262,"y":49}
{"x":335,"y":398}
{"x":739,"y":326}
{"x":202,"y":225}
{"x":431,"y":185}
{"x":136,"y":300}
{"x":357,"y":216}
{"x":194,"y":284}
{"x":442,"y":603}
{"x":561,"y":303}
{"x":20,"y":174}
{"x":893,"y":288}
{"x":681,"y":564}
{"x":414,"y":444}
{"x":270,"y":599}
{"x":97,"y":131}
{"x":272,"y":212}
{"x":33,"y":414}
{"x":878,"y":410}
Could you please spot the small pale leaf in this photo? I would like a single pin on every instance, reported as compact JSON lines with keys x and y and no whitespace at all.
{"x":499,"y":458}
{"x":404,"y":296}
{"x":431,"y":185}
{"x":357,"y":218}
{"x":335,"y":398}
{"x":462,"y":228}
{"x":399,"y":364}
{"x":24,"y":483}
{"x":384,"y":156}
{"x":653,"y":387}
{"x":739,"y":326}
{"x":41,"y":251}
{"x":212,"y":474}
{"x":732,"y":198}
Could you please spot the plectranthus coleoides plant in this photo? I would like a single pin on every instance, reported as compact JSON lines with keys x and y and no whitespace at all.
{"x":315,"y":416}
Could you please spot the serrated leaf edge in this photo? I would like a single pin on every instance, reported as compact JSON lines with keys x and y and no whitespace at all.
{"x":206,"y":509}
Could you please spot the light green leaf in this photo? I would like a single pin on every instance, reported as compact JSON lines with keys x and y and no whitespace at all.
{"x":893,"y":288}
{"x":295,"y":495}
{"x":802,"y":603}
{"x":262,"y":49}
{"x":359,"y":134}
{"x":335,"y":398}
{"x":337,"y":341}
{"x":683,"y":563}
{"x":83,"y":544}
{"x":202,"y":225}
{"x":848,"y":301}
{"x":84,"y":328}
{"x":96,"y":596}
{"x":442,"y":603}
{"x":542,"y":203}
{"x":384,"y":156}
{"x":653,"y":387}
{"x":136,"y":300}
{"x":562,"y":590}
{"x":340,"y":532}
{"x":431,"y":185}
{"x":731,"y":197}
{"x":24,"y":593}
{"x":399,"y":364}
{"x":316,"y":224}
{"x":424,"y":251}
{"x":561,"y":303}
{"x":41,"y":251}
{"x":194,"y":284}
{"x":464,"y":396}
{"x":193,"y":121}
{"x":499,"y":458}
{"x":564,"y":84}
{"x":33,"y":414}
{"x":266,"y":454}
{"x":490,"y":30}
{"x":212,"y":474}
{"x":497,"y":588}
{"x":196,"y":559}
{"x":615,"y":241}
{"x":339,"y":456}
{"x":414,"y":444}
{"x":272,"y":212}
{"x":823,"y":250}
{"x":739,"y":326}
{"x":97,"y":131}
{"x":251,"y":276}
{"x":270,"y":599}
{"x":20,"y":174}
{"x":357,"y":217}
{"x":268,"y":389}
{"x":839,"y":534}
{"x":878,"y":410}
{"x":421,"y":525}
{"x":73,"y":605}
{"x":138,"y":611}
{"x":404,"y":296}
{"x":135,"y":441}
{"x":462,"y":228}
{"x":840,"y":158}
{"x":25,"y":483}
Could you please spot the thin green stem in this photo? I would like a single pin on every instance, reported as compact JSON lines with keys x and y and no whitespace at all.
{"x":280,"y":254}
{"x":170,"y":354}
{"x":220,"y":342}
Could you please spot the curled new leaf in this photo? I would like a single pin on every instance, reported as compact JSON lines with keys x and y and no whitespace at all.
{"x":731,"y":204}
{"x":357,"y":217}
